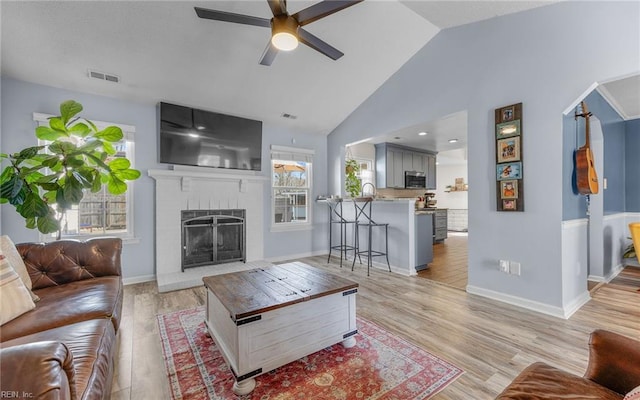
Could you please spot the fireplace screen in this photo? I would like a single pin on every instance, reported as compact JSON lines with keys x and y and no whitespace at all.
{"x":212,"y":237}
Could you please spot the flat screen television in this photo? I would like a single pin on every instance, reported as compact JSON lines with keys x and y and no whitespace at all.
{"x":189,"y":136}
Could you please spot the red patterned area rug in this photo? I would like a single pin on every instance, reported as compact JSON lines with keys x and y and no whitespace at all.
{"x":380,"y":366}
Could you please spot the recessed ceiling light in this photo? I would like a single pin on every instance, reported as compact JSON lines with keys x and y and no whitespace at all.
{"x":422,"y":134}
{"x":453,"y":140}
{"x":194,"y":135}
{"x":200,"y":127}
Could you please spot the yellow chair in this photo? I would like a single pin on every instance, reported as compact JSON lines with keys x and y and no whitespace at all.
{"x":634,"y":227}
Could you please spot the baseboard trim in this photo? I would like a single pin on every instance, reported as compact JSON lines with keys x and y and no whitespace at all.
{"x":296,"y":256}
{"x":138,"y":279}
{"x":576,"y":304}
{"x":558,"y":312}
{"x":606,"y":279}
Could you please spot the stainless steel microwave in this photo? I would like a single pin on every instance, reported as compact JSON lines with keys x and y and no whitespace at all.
{"x":415,"y":180}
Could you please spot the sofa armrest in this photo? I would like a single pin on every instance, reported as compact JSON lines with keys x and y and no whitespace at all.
{"x":614,"y":361}
{"x":64,"y":261}
{"x":40,"y":370}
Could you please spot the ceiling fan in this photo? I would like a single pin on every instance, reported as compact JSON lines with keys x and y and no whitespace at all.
{"x":286,"y":29}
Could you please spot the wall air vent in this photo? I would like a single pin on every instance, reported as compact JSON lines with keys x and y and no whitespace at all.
{"x":289,"y":116}
{"x":103,"y":76}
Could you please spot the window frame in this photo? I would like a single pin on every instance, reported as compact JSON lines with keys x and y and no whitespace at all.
{"x":128,"y":131}
{"x":288,"y":154}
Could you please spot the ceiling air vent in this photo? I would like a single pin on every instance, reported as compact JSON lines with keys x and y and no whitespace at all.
{"x":289,"y":116}
{"x":104,"y":77}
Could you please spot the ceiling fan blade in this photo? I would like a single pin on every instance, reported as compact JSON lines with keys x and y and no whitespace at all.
{"x":231,"y":17}
{"x":269,"y":54}
{"x":321,"y":10}
{"x":318,"y":44}
{"x":278,"y":7}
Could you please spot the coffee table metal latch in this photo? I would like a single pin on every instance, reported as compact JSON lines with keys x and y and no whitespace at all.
{"x":248,"y":320}
{"x":346,"y":335}
{"x":348,"y":292}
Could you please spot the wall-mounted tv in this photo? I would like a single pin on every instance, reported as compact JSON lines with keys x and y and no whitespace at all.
{"x":189,"y":136}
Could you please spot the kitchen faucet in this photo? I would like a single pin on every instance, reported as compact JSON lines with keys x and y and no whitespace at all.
{"x":372,"y":185}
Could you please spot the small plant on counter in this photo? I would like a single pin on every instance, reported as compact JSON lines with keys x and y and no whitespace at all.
{"x":352,"y":183}
{"x":44,"y":182}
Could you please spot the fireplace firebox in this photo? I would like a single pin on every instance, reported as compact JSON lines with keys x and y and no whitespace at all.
{"x":212,"y":237}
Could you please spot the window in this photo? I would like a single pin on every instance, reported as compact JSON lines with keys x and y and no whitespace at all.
{"x":102,"y":213}
{"x":366,"y":175}
{"x":290,"y":188}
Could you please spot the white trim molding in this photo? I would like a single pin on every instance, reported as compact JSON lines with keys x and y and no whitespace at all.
{"x":554,"y":311}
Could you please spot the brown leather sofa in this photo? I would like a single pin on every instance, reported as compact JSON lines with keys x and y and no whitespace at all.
{"x":612,"y":372}
{"x":65,"y":347}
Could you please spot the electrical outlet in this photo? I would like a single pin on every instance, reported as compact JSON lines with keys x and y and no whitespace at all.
{"x":514,"y":268}
{"x":504,"y":266}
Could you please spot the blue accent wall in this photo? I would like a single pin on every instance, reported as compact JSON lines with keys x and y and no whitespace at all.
{"x":632,"y":165}
{"x":613,"y":131}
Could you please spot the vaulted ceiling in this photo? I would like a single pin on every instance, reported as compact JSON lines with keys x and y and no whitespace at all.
{"x":162,"y":51}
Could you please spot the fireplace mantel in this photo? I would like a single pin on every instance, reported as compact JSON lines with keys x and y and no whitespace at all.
{"x":218,"y":174}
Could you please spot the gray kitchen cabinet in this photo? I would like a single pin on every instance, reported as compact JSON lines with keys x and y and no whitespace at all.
{"x":419,"y":163}
{"x":440,"y":225}
{"x":393,"y":160}
{"x":431,"y":171}
{"x":397,"y":169}
{"x":424,"y":250}
{"x":407,"y":160}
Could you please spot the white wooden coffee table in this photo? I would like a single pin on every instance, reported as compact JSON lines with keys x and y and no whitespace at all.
{"x":264,"y":318}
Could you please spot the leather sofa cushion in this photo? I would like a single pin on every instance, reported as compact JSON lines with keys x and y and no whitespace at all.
{"x":38,"y":370}
{"x":93,"y":346}
{"x":540,"y":381}
{"x":66,"y":304}
{"x":63,"y":261}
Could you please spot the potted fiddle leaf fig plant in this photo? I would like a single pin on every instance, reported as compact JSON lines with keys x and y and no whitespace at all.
{"x":352,"y":182}
{"x":43,"y":182}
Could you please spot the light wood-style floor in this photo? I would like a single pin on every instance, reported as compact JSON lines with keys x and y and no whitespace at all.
{"x":490,"y":340}
{"x":449,"y":265}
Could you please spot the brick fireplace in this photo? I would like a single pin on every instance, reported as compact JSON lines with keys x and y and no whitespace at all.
{"x":194,"y":192}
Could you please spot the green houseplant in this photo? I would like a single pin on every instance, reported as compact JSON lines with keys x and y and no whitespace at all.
{"x":44,"y":182}
{"x":352,"y":182}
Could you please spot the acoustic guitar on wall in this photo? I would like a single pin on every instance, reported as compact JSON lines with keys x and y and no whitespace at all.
{"x":586,"y":177}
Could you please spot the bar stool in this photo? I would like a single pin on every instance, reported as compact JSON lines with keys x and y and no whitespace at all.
{"x":363,"y":219}
{"x":336,"y":217}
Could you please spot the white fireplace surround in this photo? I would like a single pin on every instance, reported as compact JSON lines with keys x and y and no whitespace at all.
{"x":185,"y":188}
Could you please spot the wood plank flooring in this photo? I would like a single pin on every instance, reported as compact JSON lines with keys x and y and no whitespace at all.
{"x":449,"y":265}
{"x":490,"y":340}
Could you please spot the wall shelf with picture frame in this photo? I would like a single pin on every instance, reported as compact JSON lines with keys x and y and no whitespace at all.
{"x":509,"y":160}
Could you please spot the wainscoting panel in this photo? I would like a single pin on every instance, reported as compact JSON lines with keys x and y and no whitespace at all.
{"x":575,"y":261}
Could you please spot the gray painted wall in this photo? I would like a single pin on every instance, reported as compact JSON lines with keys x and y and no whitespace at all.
{"x":613,"y":160}
{"x":527,"y":57}
{"x":20,"y":99}
{"x":632,"y":165}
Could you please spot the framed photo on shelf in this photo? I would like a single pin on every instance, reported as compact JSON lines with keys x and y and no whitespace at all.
{"x":508,"y":149}
{"x":508,"y":129}
{"x":509,"y":189}
{"x":509,"y":205}
{"x":509,"y":171}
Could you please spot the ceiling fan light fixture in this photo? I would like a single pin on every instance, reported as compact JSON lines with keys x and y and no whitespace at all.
{"x":284,"y":33}
{"x":284,"y":41}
